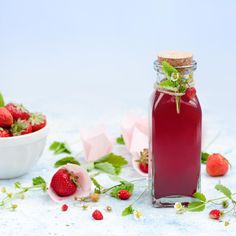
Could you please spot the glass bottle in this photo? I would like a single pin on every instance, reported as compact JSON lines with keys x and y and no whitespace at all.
{"x":175,"y":130}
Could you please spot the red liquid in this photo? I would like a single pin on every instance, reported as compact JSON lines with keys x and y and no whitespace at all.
{"x":176,"y":145}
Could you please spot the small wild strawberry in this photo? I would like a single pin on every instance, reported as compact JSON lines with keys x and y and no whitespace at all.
{"x":97,"y":215}
{"x":124,"y":194}
{"x":64,"y":207}
{"x":215,"y":214}
{"x":191,"y":92}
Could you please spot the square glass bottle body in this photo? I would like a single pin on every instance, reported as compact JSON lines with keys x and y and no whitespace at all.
{"x":175,"y":148}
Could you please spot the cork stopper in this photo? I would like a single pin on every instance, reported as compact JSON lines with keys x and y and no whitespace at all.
{"x":176,"y":58}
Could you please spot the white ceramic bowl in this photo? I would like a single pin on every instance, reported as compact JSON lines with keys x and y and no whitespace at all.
{"x":20,"y":153}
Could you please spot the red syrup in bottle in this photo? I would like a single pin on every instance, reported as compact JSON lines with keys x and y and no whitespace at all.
{"x":175,"y":147}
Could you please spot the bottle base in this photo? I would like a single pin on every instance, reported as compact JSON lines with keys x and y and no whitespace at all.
{"x":167,"y":202}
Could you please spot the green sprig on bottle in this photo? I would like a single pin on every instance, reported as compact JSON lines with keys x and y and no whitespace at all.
{"x":174,"y":82}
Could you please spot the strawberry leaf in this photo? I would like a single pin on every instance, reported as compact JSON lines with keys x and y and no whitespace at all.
{"x":168,"y":69}
{"x":200,"y":196}
{"x":97,"y":185}
{"x":128,"y":211}
{"x":111,"y":164}
{"x":39,"y":182}
{"x":113,"y":159}
{"x":65,"y":161}
{"x":204,"y":157}
{"x":106,"y":167}
{"x":196,"y":206}
{"x":226,"y":191}
{"x":120,"y":140}
{"x":2,"y":103}
{"x":59,"y":147}
{"x":168,"y":84}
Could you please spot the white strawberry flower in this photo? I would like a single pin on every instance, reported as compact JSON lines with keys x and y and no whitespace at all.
{"x":177,"y":206}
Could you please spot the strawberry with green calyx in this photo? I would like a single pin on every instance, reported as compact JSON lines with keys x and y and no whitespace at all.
{"x":37,"y":121}
{"x":21,"y":127}
{"x":6,"y":118}
{"x":18,"y":111}
{"x":217,"y":165}
{"x":4,"y":133}
{"x":64,"y":183}
{"x":143,"y":161}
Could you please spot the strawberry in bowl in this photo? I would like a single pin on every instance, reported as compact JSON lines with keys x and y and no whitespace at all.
{"x":22,"y":139}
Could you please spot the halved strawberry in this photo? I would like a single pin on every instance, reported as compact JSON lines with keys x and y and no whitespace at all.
{"x":37,"y":121}
{"x":18,"y":111}
{"x":6,"y":118}
{"x":4,"y":133}
{"x":21,"y":127}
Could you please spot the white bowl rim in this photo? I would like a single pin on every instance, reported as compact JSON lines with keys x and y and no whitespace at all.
{"x":26,"y":138}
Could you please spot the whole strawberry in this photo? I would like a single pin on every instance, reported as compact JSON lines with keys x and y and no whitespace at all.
{"x":97,"y":215}
{"x":64,"y":183}
{"x":4,"y":133}
{"x":143,"y":167}
{"x":124,"y":194}
{"x":191,"y":92}
{"x":64,"y":207}
{"x":37,"y":121}
{"x":21,"y":127}
{"x":217,"y":165}
{"x":18,"y":111}
{"x":6,"y":118}
{"x":215,"y":214}
{"x":143,"y":161}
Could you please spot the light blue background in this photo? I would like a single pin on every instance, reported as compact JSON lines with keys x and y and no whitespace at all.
{"x":98,"y":54}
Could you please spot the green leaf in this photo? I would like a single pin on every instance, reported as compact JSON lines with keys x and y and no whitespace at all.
{"x":120,"y":140}
{"x":106,"y":167}
{"x":200,"y":196}
{"x":90,"y":166}
{"x":168,"y":69}
{"x":168,"y":84}
{"x":125,"y":185}
{"x":113,"y":159}
{"x":59,"y":147}
{"x":116,"y":178}
{"x":226,"y":191}
{"x":2,"y":103}
{"x":39,"y":182}
{"x":128,"y":211}
{"x":204,"y":157}
{"x":111,"y":163}
{"x":66,"y":160}
{"x":96,"y":184}
{"x":17,"y":184}
{"x":196,"y":206}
